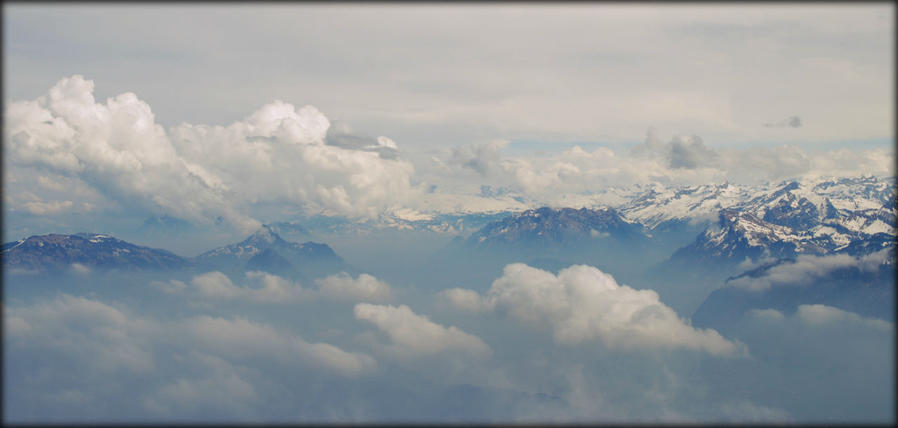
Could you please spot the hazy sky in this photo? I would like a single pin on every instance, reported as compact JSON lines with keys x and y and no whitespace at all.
{"x":449,"y":74}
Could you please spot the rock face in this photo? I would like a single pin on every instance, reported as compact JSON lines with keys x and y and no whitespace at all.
{"x":265,"y":250}
{"x":55,"y":252}
{"x":555,"y":227}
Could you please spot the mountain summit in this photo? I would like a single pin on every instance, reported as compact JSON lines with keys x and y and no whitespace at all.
{"x":266,"y":250}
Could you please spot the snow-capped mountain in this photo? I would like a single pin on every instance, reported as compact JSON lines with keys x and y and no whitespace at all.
{"x":56,"y":252}
{"x":742,"y":235}
{"x":266,"y":250}
{"x":801,"y":218}
{"x":548,"y":226}
{"x":863,"y":204}
{"x":659,"y":206}
{"x":453,"y":224}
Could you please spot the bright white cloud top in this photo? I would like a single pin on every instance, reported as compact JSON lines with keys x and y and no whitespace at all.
{"x":414,"y":335}
{"x":582,"y":304}
{"x":199,"y":172}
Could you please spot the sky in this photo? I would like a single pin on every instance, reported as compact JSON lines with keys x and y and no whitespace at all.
{"x":383,"y":106}
{"x":432,"y":75}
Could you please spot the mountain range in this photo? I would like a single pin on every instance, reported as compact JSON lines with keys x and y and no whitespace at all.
{"x":264,"y":250}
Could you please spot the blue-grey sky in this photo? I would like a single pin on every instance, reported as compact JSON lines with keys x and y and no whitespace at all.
{"x":448,"y":74}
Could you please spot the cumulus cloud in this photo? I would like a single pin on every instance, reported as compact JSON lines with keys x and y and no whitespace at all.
{"x":823,"y":315}
{"x":241,"y":338}
{"x":341,"y":135}
{"x":221,"y":387}
{"x":806,"y":269}
{"x":690,"y":152}
{"x":101,"y":337}
{"x":263,"y":287}
{"x":109,"y":339}
{"x":414,"y":335}
{"x":682,"y":152}
{"x":53,"y":207}
{"x":789,"y":122}
{"x":283,"y":154}
{"x":199,"y":172}
{"x":582,"y":303}
{"x":115,"y":147}
{"x":363,"y":288}
{"x":482,"y":158}
{"x":464,"y":299}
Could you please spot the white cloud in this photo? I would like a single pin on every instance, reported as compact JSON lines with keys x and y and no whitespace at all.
{"x":807,"y":269}
{"x":821,"y":315}
{"x":44,"y":208}
{"x":223,"y":388}
{"x":414,"y":335}
{"x":80,"y":269}
{"x":344,"y":287}
{"x":100,"y":336}
{"x":482,"y":158}
{"x":582,"y":303}
{"x":464,"y":299}
{"x":241,"y":338}
{"x":279,"y":154}
{"x":263,"y":287}
{"x":198,"y":172}
{"x":115,"y":146}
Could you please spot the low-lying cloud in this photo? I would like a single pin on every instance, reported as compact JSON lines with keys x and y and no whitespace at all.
{"x":414,"y":335}
{"x":582,"y":304}
{"x":263,"y":287}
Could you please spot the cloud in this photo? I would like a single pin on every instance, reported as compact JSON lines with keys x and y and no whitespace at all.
{"x":344,"y":287}
{"x":44,"y":208}
{"x":582,"y":304}
{"x":340,"y":135}
{"x":108,"y":339}
{"x":690,"y":152}
{"x":222,"y":387}
{"x":682,"y":152}
{"x":281,"y":154}
{"x":414,"y":335}
{"x":241,"y":339}
{"x":115,"y":147}
{"x":80,"y":269}
{"x":821,"y":315}
{"x":277,"y":154}
{"x":464,"y":299}
{"x":483,"y":158}
{"x":263,"y":287}
{"x":807,"y":269}
{"x":789,"y":122}
{"x":99,"y":336}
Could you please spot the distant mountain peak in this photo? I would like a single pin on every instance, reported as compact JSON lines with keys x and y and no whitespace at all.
{"x":266,"y":234}
{"x":57,"y":251}
{"x":555,"y":225}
